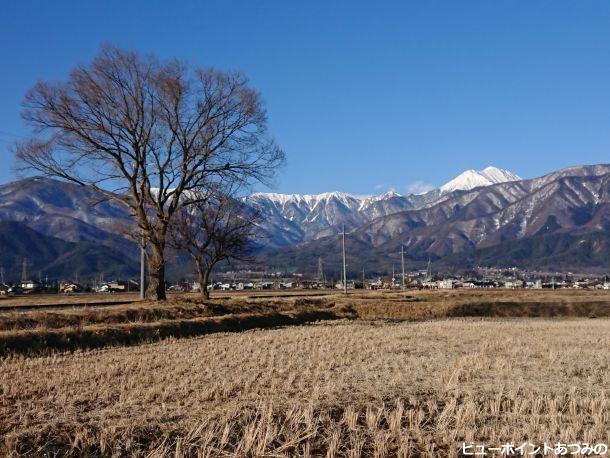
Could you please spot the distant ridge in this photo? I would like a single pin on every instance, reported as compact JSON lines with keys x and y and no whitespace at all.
{"x":293,"y":218}
{"x":500,"y":223}
{"x":465,"y":181}
{"x":56,"y":258}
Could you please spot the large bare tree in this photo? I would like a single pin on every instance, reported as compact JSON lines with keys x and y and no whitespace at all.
{"x":152,"y":134}
{"x":219,"y":228}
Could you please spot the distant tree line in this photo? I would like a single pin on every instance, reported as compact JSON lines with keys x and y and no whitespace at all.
{"x":175,"y":143}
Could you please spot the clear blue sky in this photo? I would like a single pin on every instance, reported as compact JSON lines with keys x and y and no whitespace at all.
{"x":363,"y":96}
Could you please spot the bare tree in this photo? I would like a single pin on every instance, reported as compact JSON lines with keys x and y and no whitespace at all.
{"x":212,"y":230}
{"x":151,"y":134}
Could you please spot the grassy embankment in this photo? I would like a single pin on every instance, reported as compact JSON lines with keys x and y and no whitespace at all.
{"x":28,"y":327}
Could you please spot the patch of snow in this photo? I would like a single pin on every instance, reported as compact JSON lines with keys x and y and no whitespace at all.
{"x":471,"y":179}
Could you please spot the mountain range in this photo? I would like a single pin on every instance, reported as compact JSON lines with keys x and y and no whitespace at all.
{"x":486,"y":217}
{"x":462,"y":227}
{"x":288,"y":219}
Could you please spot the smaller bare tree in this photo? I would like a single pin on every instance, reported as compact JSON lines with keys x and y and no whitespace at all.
{"x":214,"y":229}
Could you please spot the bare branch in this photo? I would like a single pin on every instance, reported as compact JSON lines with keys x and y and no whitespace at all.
{"x":162,"y":133}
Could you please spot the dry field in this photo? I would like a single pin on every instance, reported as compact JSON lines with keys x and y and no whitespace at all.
{"x":38,"y":324}
{"x":342,"y":388}
{"x":411,"y":373}
{"x":91,"y":299}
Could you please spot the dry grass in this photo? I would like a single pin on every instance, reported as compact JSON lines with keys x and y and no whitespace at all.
{"x":177,"y":308}
{"x":423,"y":305}
{"x":90,"y":299}
{"x":45,"y":339}
{"x":62,"y":325}
{"x":334,"y":389}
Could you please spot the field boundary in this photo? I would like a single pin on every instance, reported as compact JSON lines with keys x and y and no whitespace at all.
{"x":40,"y":341}
{"x":43,"y":331}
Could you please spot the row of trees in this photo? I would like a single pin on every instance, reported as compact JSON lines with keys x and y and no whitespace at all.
{"x":174,"y":143}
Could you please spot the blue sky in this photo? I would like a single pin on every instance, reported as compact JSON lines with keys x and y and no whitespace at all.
{"x":363,"y":96}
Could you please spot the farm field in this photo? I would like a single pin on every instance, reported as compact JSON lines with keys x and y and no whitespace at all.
{"x":342,"y":388}
{"x":84,"y":299}
{"x":36,"y":324}
{"x":448,"y":296}
{"x":414,"y":373}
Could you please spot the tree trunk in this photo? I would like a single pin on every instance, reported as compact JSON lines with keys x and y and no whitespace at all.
{"x":156,"y":274}
{"x":204,"y":279}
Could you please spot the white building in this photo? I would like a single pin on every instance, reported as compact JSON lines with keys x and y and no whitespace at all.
{"x":513,"y":284}
{"x":445,"y":284}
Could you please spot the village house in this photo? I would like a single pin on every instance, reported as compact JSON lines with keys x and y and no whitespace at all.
{"x":29,"y":286}
{"x":446,"y":284}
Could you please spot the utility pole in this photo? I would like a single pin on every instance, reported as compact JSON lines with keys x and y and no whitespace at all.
{"x":402,"y":260}
{"x":344,"y":269}
{"x":363,"y":284}
{"x":142,"y":262}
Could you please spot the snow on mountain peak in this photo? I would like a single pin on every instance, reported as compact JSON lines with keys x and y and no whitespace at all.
{"x":497,"y":175}
{"x":465,"y":181}
{"x":471,"y":179}
{"x":308,"y":200}
{"x":388,"y":195}
{"x":366,"y":201}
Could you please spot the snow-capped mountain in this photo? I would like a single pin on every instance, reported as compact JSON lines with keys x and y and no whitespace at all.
{"x":292,"y":218}
{"x":562,"y":218}
{"x":560,"y":221}
{"x":471,"y":179}
{"x":64,"y":210}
